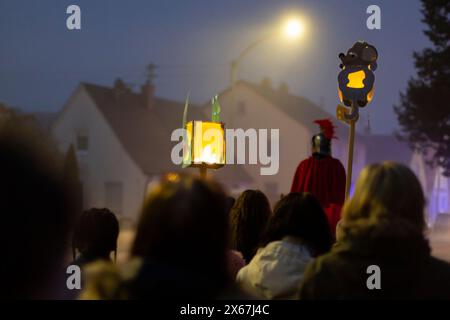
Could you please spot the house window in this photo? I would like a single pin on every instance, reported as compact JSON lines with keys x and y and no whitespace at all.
{"x":241,"y":107}
{"x":82,"y":142}
{"x":114,"y":196}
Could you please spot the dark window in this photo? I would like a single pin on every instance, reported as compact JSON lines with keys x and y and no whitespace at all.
{"x":241,"y":107}
{"x":82,"y":142}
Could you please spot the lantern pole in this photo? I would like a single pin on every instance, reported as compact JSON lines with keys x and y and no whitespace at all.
{"x":355,"y":81}
{"x":351,"y":143}
{"x":350,"y":117}
{"x":203,"y":170}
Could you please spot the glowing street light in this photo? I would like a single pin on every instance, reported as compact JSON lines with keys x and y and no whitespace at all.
{"x":293,"y":28}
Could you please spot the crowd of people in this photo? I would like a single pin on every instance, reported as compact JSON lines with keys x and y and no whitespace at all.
{"x":193,"y":241}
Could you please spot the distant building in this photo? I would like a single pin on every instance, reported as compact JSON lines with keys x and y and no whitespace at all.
{"x":123,"y":145}
{"x":123,"y":142}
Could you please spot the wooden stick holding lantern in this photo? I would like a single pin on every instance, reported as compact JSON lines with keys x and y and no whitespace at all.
{"x":356,"y":86}
{"x":204,"y":141}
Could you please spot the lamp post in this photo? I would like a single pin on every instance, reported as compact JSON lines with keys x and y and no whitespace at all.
{"x":235,"y":62}
{"x":292,"y":29}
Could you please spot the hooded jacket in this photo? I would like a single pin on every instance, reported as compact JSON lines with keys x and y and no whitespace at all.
{"x":276,"y":271}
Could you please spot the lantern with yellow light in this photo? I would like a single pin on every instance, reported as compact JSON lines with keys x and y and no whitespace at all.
{"x":205,"y":146}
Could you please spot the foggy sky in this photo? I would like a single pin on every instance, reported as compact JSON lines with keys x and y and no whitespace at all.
{"x":193,"y":42}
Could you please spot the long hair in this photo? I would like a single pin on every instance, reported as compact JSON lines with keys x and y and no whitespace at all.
{"x":184,"y":223}
{"x":96,"y":233}
{"x":385,"y":193}
{"x":300,"y":215}
{"x":249,"y":217}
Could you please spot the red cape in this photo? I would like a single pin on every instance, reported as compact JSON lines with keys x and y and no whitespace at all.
{"x":324,"y":178}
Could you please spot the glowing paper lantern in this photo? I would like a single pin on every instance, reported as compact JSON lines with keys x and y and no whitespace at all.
{"x":205,"y":145}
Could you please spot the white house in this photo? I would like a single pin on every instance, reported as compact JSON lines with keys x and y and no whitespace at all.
{"x":123,"y":142}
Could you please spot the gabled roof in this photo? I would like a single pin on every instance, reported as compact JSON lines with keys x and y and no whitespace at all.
{"x":145,"y":132}
{"x":141,"y":132}
{"x":298,"y":108}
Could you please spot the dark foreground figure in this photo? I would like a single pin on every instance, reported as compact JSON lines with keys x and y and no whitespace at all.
{"x":95,"y":236}
{"x":37,"y":212}
{"x":383,"y":224}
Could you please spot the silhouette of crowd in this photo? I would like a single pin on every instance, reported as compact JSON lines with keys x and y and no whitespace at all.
{"x":193,"y":241}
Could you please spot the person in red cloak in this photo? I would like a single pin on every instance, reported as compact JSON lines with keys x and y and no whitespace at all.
{"x":322,"y":175}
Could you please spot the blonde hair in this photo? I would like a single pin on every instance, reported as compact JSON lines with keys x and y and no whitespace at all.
{"x":385,"y":193}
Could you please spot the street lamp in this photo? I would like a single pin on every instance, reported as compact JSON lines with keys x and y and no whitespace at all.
{"x":291,"y":29}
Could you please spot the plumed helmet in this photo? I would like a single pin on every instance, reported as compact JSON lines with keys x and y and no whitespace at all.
{"x":321,"y":142}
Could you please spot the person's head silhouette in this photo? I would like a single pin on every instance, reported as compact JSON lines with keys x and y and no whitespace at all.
{"x":95,"y":235}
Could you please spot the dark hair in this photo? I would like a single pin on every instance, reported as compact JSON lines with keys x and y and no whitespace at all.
{"x":184,"y":224}
{"x":300,"y":215}
{"x":230,"y":203}
{"x":96,"y":233}
{"x":249,"y":217}
{"x":36,"y":216}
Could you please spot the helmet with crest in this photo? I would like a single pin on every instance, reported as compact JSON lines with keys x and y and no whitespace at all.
{"x":321,"y":142}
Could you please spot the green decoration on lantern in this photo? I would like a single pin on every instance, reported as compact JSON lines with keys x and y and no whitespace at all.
{"x":215,"y":109}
